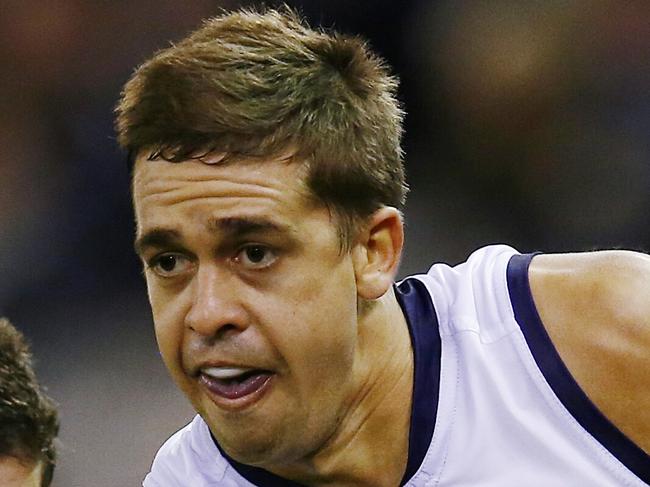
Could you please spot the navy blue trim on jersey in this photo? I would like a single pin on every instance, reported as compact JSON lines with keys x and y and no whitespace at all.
{"x":560,"y":379}
{"x":416,"y":304}
{"x":422,"y":320}
{"x":255,"y":475}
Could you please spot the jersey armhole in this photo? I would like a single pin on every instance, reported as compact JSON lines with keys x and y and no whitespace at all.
{"x":559,"y":377}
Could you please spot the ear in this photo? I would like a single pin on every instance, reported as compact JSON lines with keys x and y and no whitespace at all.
{"x":377,"y":252}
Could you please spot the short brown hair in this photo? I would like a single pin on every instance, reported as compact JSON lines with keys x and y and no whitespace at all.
{"x":28,"y":419}
{"x":256,"y":82}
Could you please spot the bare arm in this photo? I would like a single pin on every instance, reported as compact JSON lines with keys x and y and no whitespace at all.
{"x":596,"y":309}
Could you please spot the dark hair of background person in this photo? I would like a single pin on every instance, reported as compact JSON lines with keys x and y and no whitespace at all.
{"x":28,"y":419}
{"x":259,"y":82}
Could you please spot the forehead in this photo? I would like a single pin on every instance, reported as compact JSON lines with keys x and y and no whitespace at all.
{"x":255,"y":188}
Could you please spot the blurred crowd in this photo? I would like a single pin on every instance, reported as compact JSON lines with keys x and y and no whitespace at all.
{"x":527,"y":124}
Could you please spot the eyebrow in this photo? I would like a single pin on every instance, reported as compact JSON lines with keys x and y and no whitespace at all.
{"x":156,"y":237}
{"x":238,"y":226}
{"x":234,"y":227}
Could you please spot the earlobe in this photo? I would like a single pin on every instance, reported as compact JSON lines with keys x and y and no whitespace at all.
{"x":377,"y":253}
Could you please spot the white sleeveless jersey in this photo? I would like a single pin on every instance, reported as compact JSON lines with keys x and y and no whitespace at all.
{"x":493,"y":404}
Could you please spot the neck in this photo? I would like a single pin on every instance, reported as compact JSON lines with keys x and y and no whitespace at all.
{"x":370,"y":445}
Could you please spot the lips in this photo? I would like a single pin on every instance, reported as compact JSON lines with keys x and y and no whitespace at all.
{"x":235,"y":386}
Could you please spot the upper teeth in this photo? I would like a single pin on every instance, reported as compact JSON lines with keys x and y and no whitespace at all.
{"x":225,"y":372}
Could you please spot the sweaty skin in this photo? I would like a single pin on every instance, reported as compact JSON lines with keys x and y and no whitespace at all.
{"x":596,"y":309}
{"x":244,"y":270}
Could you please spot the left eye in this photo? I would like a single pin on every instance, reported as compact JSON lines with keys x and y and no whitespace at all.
{"x":256,"y":256}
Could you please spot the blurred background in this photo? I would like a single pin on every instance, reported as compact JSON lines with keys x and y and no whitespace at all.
{"x":527,"y":124}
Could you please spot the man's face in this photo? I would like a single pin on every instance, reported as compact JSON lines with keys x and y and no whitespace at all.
{"x":17,"y":473}
{"x":253,"y":303}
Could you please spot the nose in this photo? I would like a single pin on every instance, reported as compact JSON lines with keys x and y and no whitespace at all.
{"x":216,"y":309}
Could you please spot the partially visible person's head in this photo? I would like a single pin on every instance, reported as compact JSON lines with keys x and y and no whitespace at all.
{"x":259,"y":83}
{"x":28,"y":419}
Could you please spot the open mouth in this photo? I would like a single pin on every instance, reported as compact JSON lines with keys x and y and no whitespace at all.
{"x":234,"y":382}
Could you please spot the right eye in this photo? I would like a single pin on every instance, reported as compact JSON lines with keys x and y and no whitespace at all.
{"x":169,"y":264}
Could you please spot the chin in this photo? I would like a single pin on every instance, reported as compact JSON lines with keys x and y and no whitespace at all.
{"x":246,"y":438}
{"x":255,"y":450}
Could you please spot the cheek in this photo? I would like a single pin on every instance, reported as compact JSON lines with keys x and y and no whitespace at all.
{"x":168,"y":344}
{"x":168,"y":326}
{"x":320,"y":332}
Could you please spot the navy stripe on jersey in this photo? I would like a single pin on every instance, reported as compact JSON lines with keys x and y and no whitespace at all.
{"x":417,"y":307}
{"x":255,"y":475}
{"x":560,"y":379}
{"x":420,"y":314}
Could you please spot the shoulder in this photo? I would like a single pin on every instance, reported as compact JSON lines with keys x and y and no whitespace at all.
{"x":188,"y":455}
{"x":607,"y":288}
{"x":595,"y":307}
